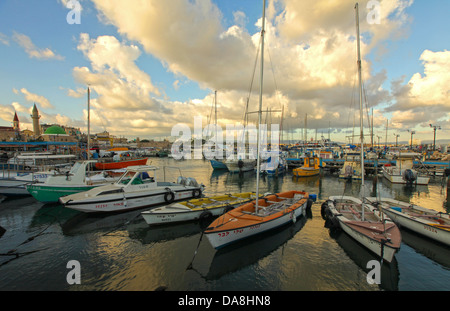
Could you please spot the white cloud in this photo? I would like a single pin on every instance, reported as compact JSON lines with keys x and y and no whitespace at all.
{"x":31,"y":97}
{"x":32,"y":51}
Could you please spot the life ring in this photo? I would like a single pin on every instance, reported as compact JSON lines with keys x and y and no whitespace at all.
{"x":197,"y":193}
{"x":169,"y":197}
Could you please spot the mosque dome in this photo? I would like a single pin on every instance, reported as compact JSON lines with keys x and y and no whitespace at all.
{"x":55,"y":130}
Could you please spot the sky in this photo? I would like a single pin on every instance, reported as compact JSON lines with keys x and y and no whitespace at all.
{"x":152,"y":64}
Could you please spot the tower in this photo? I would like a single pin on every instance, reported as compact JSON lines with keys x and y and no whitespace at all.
{"x":35,"y":116}
{"x":16,"y":126}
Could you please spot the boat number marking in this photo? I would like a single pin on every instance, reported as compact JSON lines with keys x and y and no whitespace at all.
{"x":101,"y":205}
{"x":224,"y":234}
{"x":431,"y":229}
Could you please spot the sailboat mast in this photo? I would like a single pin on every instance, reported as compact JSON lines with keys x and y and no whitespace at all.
{"x":89,"y":125}
{"x":260,"y":104}
{"x":360,"y":106}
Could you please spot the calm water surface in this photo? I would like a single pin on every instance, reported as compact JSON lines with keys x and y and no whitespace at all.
{"x":121,"y":252}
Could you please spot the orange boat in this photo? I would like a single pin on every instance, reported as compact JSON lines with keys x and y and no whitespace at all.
{"x":247,"y":220}
{"x":120,"y":164}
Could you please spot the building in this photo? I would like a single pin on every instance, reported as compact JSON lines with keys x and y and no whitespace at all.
{"x":35,"y":116}
{"x":9,"y":133}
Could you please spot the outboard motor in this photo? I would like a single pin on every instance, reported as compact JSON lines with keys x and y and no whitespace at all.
{"x":409,"y":176}
{"x":181,"y":180}
{"x":191,"y":182}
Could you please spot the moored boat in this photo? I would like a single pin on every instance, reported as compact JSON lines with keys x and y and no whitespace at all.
{"x":427,"y":222}
{"x":75,"y":181}
{"x":247,"y":220}
{"x":403,"y":172}
{"x":364,"y":223}
{"x":136,"y":188}
{"x":311,"y":167}
{"x":194,"y":209}
{"x":114,"y":165}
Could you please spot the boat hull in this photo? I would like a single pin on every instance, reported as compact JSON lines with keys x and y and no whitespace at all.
{"x":368,"y":234}
{"x":218,"y":165}
{"x":128,"y":201}
{"x":119,"y":164}
{"x":417,"y":224}
{"x":177,"y":212}
{"x":304,"y":172}
{"x":11,"y":187}
{"x":49,"y":194}
{"x":246,"y":226}
{"x":397,"y":178}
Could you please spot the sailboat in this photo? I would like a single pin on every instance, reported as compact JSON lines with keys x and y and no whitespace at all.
{"x":363,"y":222}
{"x":264,"y":213}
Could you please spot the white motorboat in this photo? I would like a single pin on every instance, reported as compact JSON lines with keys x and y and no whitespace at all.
{"x":136,"y":188}
{"x":403,"y":172}
{"x":427,"y":222}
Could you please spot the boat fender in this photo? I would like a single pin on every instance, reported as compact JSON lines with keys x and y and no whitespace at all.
{"x":323,"y":210}
{"x":309,"y":204}
{"x":169,"y":196}
{"x":240,"y":164}
{"x":197,"y":193}
{"x":227,"y":209}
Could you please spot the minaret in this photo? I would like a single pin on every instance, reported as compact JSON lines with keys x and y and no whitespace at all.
{"x":16,"y":122}
{"x":35,"y":116}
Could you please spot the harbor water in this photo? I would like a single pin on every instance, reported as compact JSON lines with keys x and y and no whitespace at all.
{"x":120,"y":252}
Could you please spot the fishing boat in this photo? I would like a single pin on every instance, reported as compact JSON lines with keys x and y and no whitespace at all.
{"x":262,"y":214}
{"x":311,"y":167}
{"x":122,"y":163}
{"x":363,"y":222}
{"x":196,"y":209}
{"x":136,"y":188}
{"x":427,"y":222}
{"x":78,"y":179}
{"x":352,"y":166}
{"x":403,"y":172}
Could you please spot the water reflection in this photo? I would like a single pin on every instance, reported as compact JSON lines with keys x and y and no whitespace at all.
{"x":389,"y":276}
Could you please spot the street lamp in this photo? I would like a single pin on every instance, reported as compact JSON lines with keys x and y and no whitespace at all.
{"x":435,"y":127}
{"x":412,"y":133}
{"x":396,"y":139}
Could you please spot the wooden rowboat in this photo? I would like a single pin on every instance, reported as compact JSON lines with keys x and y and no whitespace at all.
{"x":427,"y":222}
{"x":274,"y":210}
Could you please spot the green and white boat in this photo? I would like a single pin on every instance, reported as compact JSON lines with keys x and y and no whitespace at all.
{"x":78,"y":179}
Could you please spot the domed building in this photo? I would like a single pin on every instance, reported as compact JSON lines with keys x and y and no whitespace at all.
{"x":56,"y":133}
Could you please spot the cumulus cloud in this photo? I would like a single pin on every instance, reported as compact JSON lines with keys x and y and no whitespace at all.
{"x":31,"y":97}
{"x":34,"y":52}
{"x":425,"y":96}
{"x":310,"y":49}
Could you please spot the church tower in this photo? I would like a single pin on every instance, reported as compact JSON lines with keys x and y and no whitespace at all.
{"x":35,"y":116}
{"x":16,"y":126}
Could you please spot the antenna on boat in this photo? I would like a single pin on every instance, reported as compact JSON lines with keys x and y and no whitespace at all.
{"x":260,"y":104}
{"x":360,"y":108}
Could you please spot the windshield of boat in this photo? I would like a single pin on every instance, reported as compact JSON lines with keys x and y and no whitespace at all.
{"x":135,"y":178}
{"x":75,"y":167}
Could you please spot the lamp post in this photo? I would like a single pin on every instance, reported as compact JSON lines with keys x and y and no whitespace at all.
{"x":435,"y":127}
{"x":396,"y":139}
{"x":412,"y":133}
